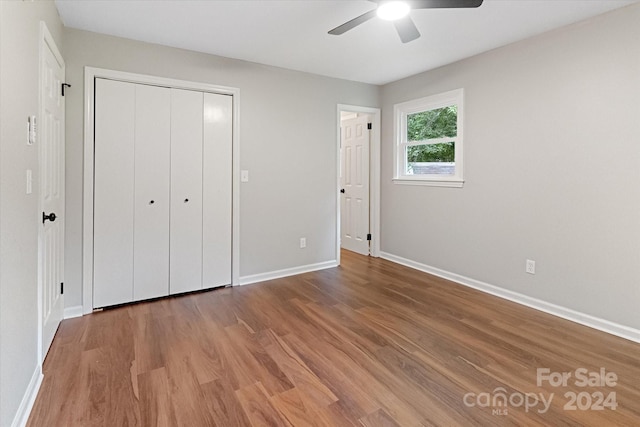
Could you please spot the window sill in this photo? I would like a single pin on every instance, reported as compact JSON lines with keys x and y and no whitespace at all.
{"x":454,"y":183}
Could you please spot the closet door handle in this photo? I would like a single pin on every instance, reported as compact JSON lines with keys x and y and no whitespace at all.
{"x":186,"y":200}
{"x":152,"y":202}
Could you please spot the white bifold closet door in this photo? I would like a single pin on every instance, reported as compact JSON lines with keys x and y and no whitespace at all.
{"x":152,"y":197}
{"x":162,"y":191}
{"x":113,"y":205}
{"x":186,"y":191}
{"x":217,"y":196}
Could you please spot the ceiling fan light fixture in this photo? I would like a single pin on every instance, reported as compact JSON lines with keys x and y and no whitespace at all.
{"x":393,"y":10}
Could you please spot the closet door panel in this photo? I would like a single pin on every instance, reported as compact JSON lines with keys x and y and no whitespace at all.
{"x":217,"y":163}
{"x":113,"y":193}
{"x":152,"y":154}
{"x":185,"y":269}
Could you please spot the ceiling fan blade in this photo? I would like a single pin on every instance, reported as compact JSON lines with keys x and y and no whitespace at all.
{"x":406,"y":29}
{"x":341,"y":29}
{"x":441,"y":4}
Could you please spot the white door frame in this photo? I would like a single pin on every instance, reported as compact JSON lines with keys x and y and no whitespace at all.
{"x":374,"y":176}
{"x":46,"y":41}
{"x":90,"y":74}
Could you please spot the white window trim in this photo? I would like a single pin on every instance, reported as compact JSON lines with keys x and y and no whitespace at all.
{"x":400,"y":113}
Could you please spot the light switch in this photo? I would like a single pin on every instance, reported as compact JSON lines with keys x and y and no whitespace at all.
{"x":244,"y":176}
{"x":31,"y":130}
{"x":29,"y":181}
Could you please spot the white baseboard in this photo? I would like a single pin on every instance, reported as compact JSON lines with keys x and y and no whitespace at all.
{"x":262,"y":277}
{"x":29,"y":398}
{"x":71,"y":312}
{"x":547,"y":307}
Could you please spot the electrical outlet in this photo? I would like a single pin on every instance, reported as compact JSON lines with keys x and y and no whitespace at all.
{"x":303,"y":242}
{"x":530,"y":267}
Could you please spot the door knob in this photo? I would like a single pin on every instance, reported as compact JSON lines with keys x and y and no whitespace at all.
{"x":342,"y":190}
{"x":51,"y":217}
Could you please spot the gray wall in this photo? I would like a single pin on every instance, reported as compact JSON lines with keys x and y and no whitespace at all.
{"x":552,"y":170}
{"x":19,"y":36}
{"x":288,"y":144}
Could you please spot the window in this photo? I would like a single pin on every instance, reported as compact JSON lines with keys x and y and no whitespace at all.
{"x":428,"y":147}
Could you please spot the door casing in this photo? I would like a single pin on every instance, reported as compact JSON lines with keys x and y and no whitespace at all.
{"x":374,"y":174}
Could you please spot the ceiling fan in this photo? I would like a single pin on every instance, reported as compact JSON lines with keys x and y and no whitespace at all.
{"x":398,"y":12}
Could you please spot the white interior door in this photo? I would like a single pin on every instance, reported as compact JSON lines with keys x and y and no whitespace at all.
{"x":51,"y":167}
{"x":217,"y":190}
{"x":354,"y":209}
{"x":113,"y":193}
{"x":151,"y":210}
{"x":185,"y":267}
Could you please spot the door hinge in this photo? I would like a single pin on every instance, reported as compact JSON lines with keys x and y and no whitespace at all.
{"x":63,"y":85}
{"x":369,"y":126}
{"x":369,"y":236}
{"x":62,"y":288}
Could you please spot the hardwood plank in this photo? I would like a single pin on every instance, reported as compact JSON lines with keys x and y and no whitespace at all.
{"x":223,"y":405}
{"x":185,"y":392}
{"x":257,"y":361}
{"x":379,"y":419}
{"x":338,"y":414}
{"x":149,"y":348}
{"x":255,"y":402}
{"x":292,"y":407}
{"x":301,"y":375}
{"x":155,"y":399}
{"x":351,"y":398}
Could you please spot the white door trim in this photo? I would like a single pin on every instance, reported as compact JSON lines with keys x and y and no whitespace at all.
{"x":46,"y":41}
{"x":90,"y":74}
{"x":374,"y":173}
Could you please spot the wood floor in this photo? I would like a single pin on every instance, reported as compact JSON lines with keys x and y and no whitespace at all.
{"x":369,"y":343}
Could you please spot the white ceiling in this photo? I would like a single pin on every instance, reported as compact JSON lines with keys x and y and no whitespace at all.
{"x":293,"y":34}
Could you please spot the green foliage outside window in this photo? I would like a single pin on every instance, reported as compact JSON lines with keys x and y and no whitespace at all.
{"x":432,"y":124}
{"x":431,"y":153}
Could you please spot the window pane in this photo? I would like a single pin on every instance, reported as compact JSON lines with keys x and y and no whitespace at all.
{"x":431,"y":159}
{"x":431,"y":124}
